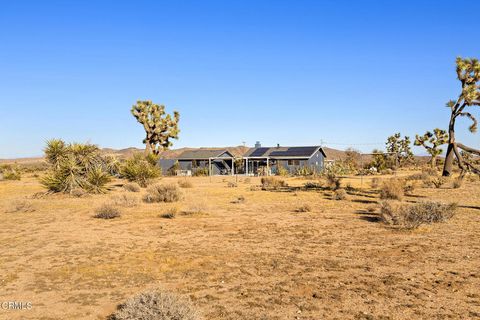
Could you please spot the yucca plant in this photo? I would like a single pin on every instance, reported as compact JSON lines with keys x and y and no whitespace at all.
{"x":140,"y":169}
{"x":75,"y":166}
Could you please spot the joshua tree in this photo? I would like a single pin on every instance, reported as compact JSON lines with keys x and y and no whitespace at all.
{"x":159,"y":126}
{"x":399,"y":149}
{"x":468,"y":72}
{"x":431,"y":142}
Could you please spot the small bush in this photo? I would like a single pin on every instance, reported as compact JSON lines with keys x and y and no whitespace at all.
{"x":163,"y":193}
{"x":272,"y":183}
{"x":438,"y":182}
{"x":124,"y":200}
{"x":392,"y":189}
{"x":313,"y":185}
{"x":195,"y":208}
{"x":107,"y":211}
{"x":170,"y":214}
{"x":457,"y":183}
{"x":156,"y":305}
{"x":240,"y":199}
{"x":375,"y":183}
{"x":200,"y":172}
{"x":11,"y":174}
{"x":185,"y":184}
{"x":247,"y":180}
{"x":340,"y":194}
{"x":255,"y":188}
{"x":333,"y":181}
{"x":409,"y":187}
{"x":418,"y":176}
{"x":304,"y":208}
{"x":20,"y":206}
{"x":78,"y":193}
{"x":132,"y":187}
{"x":232,"y":184}
{"x":409,"y":216}
{"x":140,"y":169}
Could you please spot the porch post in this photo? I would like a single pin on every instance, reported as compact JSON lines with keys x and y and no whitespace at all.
{"x":246,"y":166}
{"x":233,"y":166}
{"x":268,"y":169}
{"x":209,"y":166}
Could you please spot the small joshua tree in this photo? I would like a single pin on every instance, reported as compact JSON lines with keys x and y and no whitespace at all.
{"x":399,"y":149}
{"x":468,"y":72}
{"x":431,"y":142}
{"x":159,"y":126}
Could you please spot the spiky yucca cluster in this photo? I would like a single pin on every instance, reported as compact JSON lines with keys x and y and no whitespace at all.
{"x":140,"y":169}
{"x":77,"y":166}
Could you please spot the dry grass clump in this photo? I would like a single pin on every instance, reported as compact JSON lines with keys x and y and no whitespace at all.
{"x":255,"y":188}
{"x":195,"y":208}
{"x":247,"y":180}
{"x":438,"y":182}
{"x":163,"y":193}
{"x":124,"y":200}
{"x":170,"y":213}
{"x":232,"y":184}
{"x":156,"y":305}
{"x":132,"y":187}
{"x":410,"y":216}
{"x":78,"y":193}
{"x":340,"y":194}
{"x":313,"y":185}
{"x":107,"y":211}
{"x":457,"y":183}
{"x":239,"y":199}
{"x":272,"y":183}
{"x":392,"y":189}
{"x":185,"y":184}
{"x":304,"y":208}
{"x":371,"y":209}
{"x":20,"y":206}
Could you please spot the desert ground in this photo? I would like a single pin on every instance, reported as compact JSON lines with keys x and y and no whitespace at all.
{"x":257,"y":259}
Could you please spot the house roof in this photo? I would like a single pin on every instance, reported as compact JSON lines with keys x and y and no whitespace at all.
{"x":283,"y":152}
{"x":203,"y":154}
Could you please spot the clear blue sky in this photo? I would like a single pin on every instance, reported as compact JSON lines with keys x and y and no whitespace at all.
{"x":288,"y":72}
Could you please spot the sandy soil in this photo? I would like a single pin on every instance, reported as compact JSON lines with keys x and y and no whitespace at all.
{"x":254,"y":260}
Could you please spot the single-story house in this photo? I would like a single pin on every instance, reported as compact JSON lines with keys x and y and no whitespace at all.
{"x":211,"y":161}
{"x":268,"y":160}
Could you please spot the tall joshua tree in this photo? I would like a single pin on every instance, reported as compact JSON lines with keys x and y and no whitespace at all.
{"x":159,"y":126}
{"x":468,"y":72}
{"x":399,"y":149}
{"x":431,"y":142}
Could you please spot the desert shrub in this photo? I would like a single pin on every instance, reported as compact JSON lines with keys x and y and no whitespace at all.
{"x":409,"y":187}
{"x":272,"y":183}
{"x":195,"y":208}
{"x":78,"y":193}
{"x":185,"y":184}
{"x":392,"y":189}
{"x":438,"y":182}
{"x":107,"y":211}
{"x":232,"y":184}
{"x":410,"y":216}
{"x":75,"y":166}
{"x":170,"y":213}
{"x":7,"y":172}
{"x":255,"y":188}
{"x":340,"y":194}
{"x":304,"y":208}
{"x":163,"y":193}
{"x":200,"y":172}
{"x":429,"y":171}
{"x":132,"y":187}
{"x":375,"y":183}
{"x":124,"y":200}
{"x":247,"y":180}
{"x":313,"y":185}
{"x":418,"y":176}
{"x":333,"y":181}
{"x":20,"y":206}
{"x":304,"y":171}
{"x":282,"y":171}
{"x":140,"y":169}
{"x":239,"y":199}
{"x":156,"y":305}
{"x":457,"y":183}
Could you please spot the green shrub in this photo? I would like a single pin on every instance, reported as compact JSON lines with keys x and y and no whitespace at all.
{"x":156,"y":305}
{"x":11,"y":174}
{"x":163,"y":193}
{"x":198,"y":172}
{"x":282,"y":171}
{"x":140,"y":169}
{"x":410,"y":216}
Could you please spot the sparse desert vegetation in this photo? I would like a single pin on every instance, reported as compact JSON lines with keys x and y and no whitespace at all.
{"x":209,"y":244}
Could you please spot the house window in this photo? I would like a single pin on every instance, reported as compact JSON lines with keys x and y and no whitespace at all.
{"x":293,"y":162}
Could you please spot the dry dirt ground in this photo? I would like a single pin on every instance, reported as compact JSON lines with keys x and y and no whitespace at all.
{"x":254,"y":260}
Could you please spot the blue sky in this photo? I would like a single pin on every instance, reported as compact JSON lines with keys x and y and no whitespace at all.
{"x":346,"y":73}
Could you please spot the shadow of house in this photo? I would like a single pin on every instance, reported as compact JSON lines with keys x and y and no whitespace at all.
{"x":206,"y":161}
